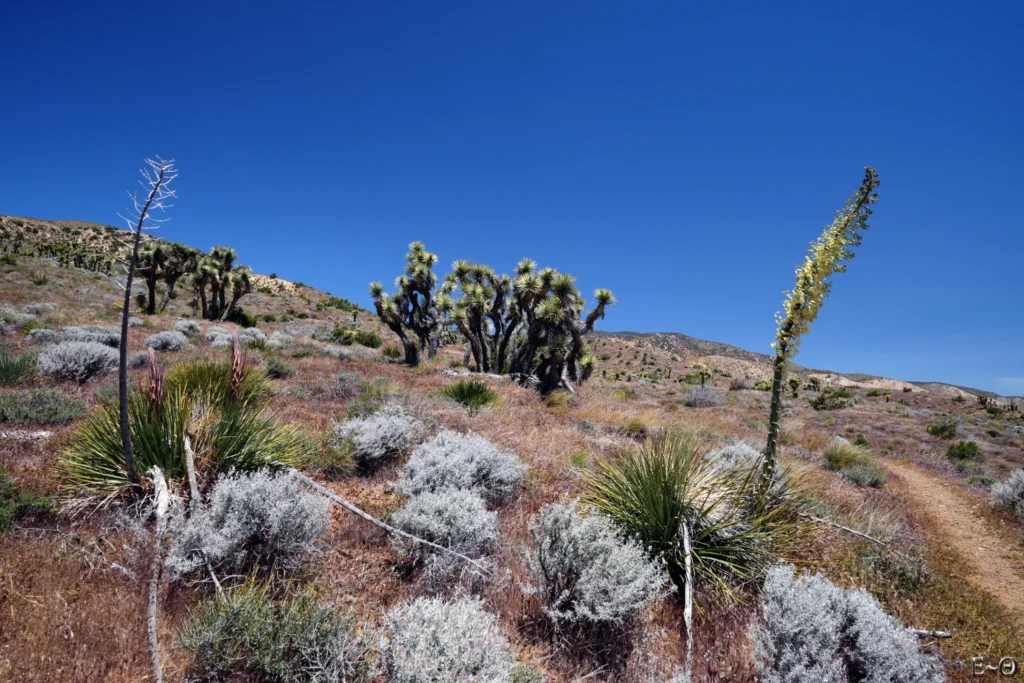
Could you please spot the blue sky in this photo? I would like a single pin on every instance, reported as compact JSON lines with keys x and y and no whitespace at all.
{"x":681,"y":154}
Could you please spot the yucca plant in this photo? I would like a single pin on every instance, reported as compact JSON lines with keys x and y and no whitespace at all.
{"x":474,"y":394}
{"x":15,"y":368}
{"x":667,"y":487}
{"x":220,"y":405}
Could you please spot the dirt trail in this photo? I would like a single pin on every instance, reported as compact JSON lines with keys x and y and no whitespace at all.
{"x":996,"y":567}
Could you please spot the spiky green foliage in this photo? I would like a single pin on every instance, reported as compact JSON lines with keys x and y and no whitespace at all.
{"x":474,"y":394}
{"x":826,"y":256}
{"x":16,"y":368}
{"x":218,"y":283}
{"x":220,"y":405}
{"x":415,"y":311}
{"x":666,"y":484}
{"x":531,"y":325}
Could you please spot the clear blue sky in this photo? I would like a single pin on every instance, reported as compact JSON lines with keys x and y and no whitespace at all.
{"x":681,"y":154}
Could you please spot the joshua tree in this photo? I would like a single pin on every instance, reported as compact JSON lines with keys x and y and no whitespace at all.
{"x":826,"y":256}
{"x":180,"y":261}
{"x":703,"y":371}
{"x":794,"y":385}
{"x":156,"y":180}
{"x":218,"y":273}
{"x":151,"y":261}
{"x":415,"y":309}
{"x":814,"y":384}
{"x":530,"y":326}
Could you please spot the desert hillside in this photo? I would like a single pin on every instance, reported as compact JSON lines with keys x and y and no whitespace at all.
{"x":908,"y":467}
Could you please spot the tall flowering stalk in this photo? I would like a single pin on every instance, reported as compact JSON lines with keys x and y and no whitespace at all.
{"x":827,"y":255}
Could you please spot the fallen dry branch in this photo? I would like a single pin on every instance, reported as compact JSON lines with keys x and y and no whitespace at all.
{"x":865,"y":536}
{"x":162,"y":498}
{"x":921,"y":633}
{"x":335,"y":498}
{"x":194,"y":504}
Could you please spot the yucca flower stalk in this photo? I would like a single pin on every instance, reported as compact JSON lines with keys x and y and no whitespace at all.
{"x":827,"y":255}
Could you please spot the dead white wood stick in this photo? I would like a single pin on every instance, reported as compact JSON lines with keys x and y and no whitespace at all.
{"x":921,"y":633}
{"x":864,"y":536}
{"x":162,"y":499}
{"x":195,"y":504}
{"x":688,"y":602}
{"x":335,"y":498}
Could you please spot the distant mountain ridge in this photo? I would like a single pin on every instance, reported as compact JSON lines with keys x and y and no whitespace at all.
{"x":686,"y":346}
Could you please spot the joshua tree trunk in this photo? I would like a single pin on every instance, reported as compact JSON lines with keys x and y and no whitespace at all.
{"x":172,"y":280}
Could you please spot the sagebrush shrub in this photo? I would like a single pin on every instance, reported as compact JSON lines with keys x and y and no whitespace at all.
{"x":812,"y":631}
{"x":170,"y":340}
{"x":77,"y":360}
{"x":702,"y":397}
{"x":437,"y":641}
{"x":1011,"y":492}
{"x":295,"y":640}
{"x":257,"y":518}
{"x":378,"y":436}
{"x":39,"y":309}
{"x":585,"y":571}
{"x":41,"y":335}
{"x":279,"y":339}
{"x":347,"y":385}
{"x":44,"y":406}
{"x":458,"y":520}
{"x":252,"y":335}
{"x":219,"y":338}
{"x":101,"y":334}
{"x":735,"y":457}
{"x":466,"y":462}
{"x":135,"y":322}
{"x":189,"y":328}
{"x":841,"y":454}
{"x":138,"y":360}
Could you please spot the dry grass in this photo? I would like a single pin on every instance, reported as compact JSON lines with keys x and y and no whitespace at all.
{"x":66,"y":614}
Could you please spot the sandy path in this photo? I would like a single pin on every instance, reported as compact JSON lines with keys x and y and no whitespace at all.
{"x":996,"y":566}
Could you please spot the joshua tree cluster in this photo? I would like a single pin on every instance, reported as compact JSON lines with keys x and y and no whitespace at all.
{"x":530,"y":325}
{"x":217,"y":283}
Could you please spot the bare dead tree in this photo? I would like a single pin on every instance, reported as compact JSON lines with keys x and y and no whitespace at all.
{"x":156,"y":180}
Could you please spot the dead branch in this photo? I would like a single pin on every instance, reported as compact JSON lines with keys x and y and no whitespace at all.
{"x":921,"y":633}
{"x":688,"y":602}
{"x":195,"y":503}
{"x":866,"y":537}
{"x":338,"y":500}
{"x":162,"y":499}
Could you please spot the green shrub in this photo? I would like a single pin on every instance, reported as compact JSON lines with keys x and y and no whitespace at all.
{"x":14,"y":368}
{"x":635,"y":428}
{"x":959,"y":398}
{"x":558,"y":399}
{"x":368,"y":339}
{"x":579,"y":459}
{"x":763,"y":385}
{"x":297,"y":639}
{"x":42,"y":406}
{"x":873,"y":393}
{"x":831,"y":399}
{"x":963,"y":450}
{"x":238,"y":316}
{"x":369,"y":397}
{"x":16,"y":504}
{"x":865,"y":474}
{"x":392,"y":352}
{"x":946,"y":429}
{"x":653,"y":491}
{"x":278,"y":369}
{"x":224,"y":414}
{"x":474,"y":394}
